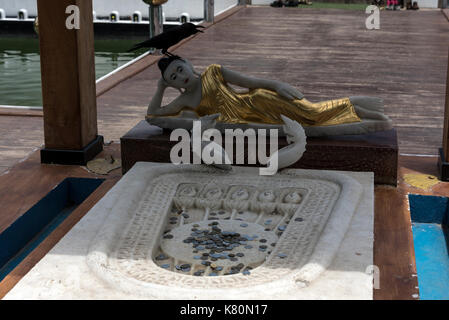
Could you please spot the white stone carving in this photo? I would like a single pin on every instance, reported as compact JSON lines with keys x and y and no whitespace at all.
{"x":313,"y":209}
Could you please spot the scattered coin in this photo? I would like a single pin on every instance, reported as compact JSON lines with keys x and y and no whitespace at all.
{"x":165,"y":266}
{"x":197,"y":273}
{"x":213,"y":274}
{"x":213,"y":265}
{"x":168,"y":236}
{"x":240,"y":254}
{"x":161,"y":257}
{"x":240,"y":212}
{"x":213,"y":213}
{"x":244,"y":225}
{"x":197,"y":257}
{"x":282,"y":228}
{"x":299,"y":219}
{"x":246,"y":272}
{"x":267,"y":222}
{"x":263,"y":240}
{"x":282,"y":255}
{"x":178,"y":267}
{"x":185,"y":215}
{"x":248,"y":247}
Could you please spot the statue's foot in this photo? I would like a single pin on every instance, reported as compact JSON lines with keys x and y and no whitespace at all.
{"x":369,"y":103}
{"x":363,"y":127}
{"x":370,"y":114}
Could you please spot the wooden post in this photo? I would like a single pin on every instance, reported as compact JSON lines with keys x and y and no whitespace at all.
{"x":68,"y":82}
{"x":209,"y":10}
{"x":443,"y":163}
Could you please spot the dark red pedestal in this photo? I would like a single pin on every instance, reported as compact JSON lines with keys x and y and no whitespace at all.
{"x":375,"y":152}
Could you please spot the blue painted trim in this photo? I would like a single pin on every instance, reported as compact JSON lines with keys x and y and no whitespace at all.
{"x":429,"y":216}
{"x":27,"y":232}
{"x":429,"y":209}
{"x":432,"y":261}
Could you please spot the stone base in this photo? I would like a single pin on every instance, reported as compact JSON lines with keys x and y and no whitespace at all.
{"x":443,"y":166}
{"x":73,"y":157}
{"x":376,"y":152}
{"x":325,"y":250}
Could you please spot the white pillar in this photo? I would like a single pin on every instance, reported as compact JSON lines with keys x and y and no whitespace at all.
{"x":209,"y":10}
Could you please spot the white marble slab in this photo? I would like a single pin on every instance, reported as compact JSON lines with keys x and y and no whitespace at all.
{"x":81,"y":265}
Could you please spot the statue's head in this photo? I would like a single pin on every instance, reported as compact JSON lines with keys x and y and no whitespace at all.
{"x":176,"y":71}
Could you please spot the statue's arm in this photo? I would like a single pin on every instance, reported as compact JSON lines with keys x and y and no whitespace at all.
{"x":155,"y":108}
{"x":244,"y":81}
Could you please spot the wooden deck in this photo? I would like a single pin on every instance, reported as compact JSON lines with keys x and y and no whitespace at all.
{"x":28,"y":181}
{"x":326,"y":54}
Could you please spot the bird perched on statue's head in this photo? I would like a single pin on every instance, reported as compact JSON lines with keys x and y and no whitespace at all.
{"x":169,"y":38}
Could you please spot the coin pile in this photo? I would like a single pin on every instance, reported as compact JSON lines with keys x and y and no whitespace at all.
{"x":214,"y":244}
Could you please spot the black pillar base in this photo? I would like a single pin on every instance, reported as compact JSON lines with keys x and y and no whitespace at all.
{"x":73,"y":157}
{"x":443,"y":166}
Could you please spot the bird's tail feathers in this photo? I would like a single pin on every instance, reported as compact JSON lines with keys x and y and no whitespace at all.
{"x":136,"y":47}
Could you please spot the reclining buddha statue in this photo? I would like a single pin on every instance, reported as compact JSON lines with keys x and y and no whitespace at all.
{"x":261,"y":106}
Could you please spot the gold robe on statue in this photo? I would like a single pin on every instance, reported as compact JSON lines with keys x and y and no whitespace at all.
{"x":266,"y":106}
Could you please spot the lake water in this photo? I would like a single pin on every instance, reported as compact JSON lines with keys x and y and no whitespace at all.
{"x":20,"y":78}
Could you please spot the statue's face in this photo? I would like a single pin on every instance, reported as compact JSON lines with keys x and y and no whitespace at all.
{"x":179,"y":74}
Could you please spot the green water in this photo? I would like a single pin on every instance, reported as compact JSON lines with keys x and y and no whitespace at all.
{"x":20,"y":78}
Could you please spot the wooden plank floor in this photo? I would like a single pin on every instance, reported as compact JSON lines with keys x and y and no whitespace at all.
{"x":29,"y":181}
{"x":325,"y":53}
{"x":404,"y":62}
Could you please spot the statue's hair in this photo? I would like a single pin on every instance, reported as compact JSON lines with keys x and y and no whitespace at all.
{"x":164,"y":62}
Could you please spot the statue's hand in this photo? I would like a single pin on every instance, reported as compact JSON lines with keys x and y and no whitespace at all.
{"x":287,"y":91}
{"x":162,"y":84}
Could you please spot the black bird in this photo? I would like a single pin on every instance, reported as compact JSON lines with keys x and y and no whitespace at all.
{"x":169,"y":38}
